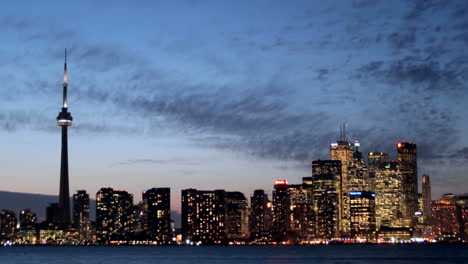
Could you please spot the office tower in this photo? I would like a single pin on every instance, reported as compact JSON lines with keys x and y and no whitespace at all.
{"x":357,"y":172}
{"x":281,"y":210}
{"x":8,"y":223}
{"x":409,"y":171}
{"x":81,"y":220}
{"x":113,"y":215}
{"x":260,"y":217}
{"x":362,"y":212}
{"x":446,"y":219}
{"x":343,"y":150}
{"x":326,"y":179}
{"x":27,"y":218}
{"x":203,"y":216}
{"x":53,"y":214}
{"x":301,"y":200}
{"x":389,"y":195}
{"x":376,"y":160}
{"x":237,"y":217}
{"x":64,"y":120}
{"x":426,"y":199}
{"x":157,"y":206}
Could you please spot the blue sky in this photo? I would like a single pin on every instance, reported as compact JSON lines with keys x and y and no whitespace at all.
{"x":230,"y":95}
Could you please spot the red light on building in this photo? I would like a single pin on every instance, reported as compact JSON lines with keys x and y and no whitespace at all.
{"x":281,"y":182}
{"x":399,"y":145}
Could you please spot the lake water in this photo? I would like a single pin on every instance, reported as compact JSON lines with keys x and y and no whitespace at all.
{"x":408,"y":253}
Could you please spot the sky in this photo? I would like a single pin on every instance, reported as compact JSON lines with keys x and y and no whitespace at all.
{"x":228,"y":94}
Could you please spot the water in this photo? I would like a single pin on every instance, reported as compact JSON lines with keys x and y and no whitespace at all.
{"x":339,"y":254}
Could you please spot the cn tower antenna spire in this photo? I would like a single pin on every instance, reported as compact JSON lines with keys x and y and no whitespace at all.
{"x":65,"y":81}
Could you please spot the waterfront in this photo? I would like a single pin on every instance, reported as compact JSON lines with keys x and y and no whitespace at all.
{"x":397,"y":253}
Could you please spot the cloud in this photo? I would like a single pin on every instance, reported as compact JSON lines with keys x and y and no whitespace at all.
{"x":176,"y":161}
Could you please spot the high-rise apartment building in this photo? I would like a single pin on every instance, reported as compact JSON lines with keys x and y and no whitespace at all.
{"x":237,"y":217}
{"x":301,"y":206}
{"x":204,"y":216}
{"x":113,"y":215}
{"x":260,"y":217}
{"x":157,"y":207}
{"x":81,"y":218}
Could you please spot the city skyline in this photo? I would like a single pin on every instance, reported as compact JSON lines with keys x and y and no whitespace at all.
{"x":164,"y":110}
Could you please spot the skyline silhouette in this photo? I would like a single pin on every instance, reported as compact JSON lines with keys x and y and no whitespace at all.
{"x":229,"y":96}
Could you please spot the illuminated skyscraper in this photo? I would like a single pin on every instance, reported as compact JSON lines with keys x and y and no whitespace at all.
{"x":357,"y":172}
{"x":81,"y":219}
{"x":377,"y":160}
{"x":260,"y":218}
{"x":281,"y":210}
{"x":326,"y":181}
{"x":426,"y":199}
{"x":446,"y":219}
{"x":362,"y":212}
{"x":389,"y":195}
{"x":64,"y":120}
{"x":203,"y":216}
{"x":157,"y":206}
{"x":343,"y":151}
{"x":237,"y":217}
{"x":301,"y":206}
{"x":113,"y":215}
{"x":8,"y":223}
{"x":409,"y":172}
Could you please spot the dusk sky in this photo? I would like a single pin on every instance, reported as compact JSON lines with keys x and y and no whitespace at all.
{"x":228,"y":94}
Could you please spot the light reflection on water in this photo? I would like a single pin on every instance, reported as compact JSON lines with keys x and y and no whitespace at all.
{"x":339,"y":254}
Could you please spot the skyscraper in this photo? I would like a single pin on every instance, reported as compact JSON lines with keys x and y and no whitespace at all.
{"x":446,"y":219}
{"x":113,"y":215}
{"x":81,"y":219}
{"x":326,"y":179}
{"x":260,"y":216}
{"x":409,"y":172}
{"x":237,"y":217}
{"x":362,"y":214}
{"x":64,"y":120}
{"x":157,"y":210}
{"x":357,"y":172}
{"x":204,"y":216}
{"x":426,"y":199}
{"x":281,"y":210}
{"x":343,"y":151}
{"x":377,"y":160}
{"x":301,"y":201}
{"x":389,"y":195}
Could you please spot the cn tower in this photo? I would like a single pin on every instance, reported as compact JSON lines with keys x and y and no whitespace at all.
{"x":64,"y":120}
